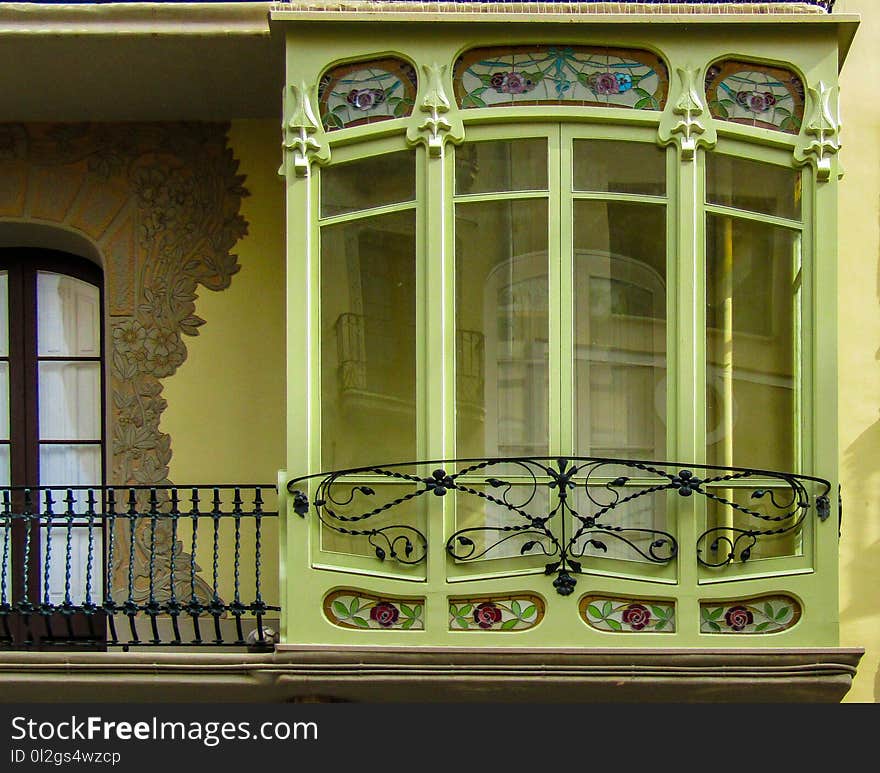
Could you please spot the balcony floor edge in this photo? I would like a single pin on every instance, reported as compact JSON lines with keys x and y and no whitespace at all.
{"x":430,"y":675}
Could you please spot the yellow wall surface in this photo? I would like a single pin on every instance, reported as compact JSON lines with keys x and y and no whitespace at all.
{"x":226,"y":403}
{"x":859,"y":357}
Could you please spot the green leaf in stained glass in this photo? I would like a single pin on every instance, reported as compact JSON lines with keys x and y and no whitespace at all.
{"x":462,"y":621}
{"x":593,"y":611}
{"x":719,"y":109}
{"x":354,"y":606}
{"x":401,"y":108}
{"x":359,"y":621}
{"x":515,"y":608}
{"x":606,"y":609}
{"x":528,"y":612}
{"x":508,"y":624}
{"x":641,"y":92}
{"x":783,"y":613}
{"x":716,"y":613}
{"x":644,"y":104}
{"x":768,"y":610}
{"x":340,"y":610}
{"x":417,"y":610}
{"x":713,"y":626}
{"x":661,"y":612}
{"x":407,"y":611}
{"x":661,"y":624}
{"x":471,"y":100}
{"x":408,"y":623}
{"x":614,"y":625}
{"x":762,"y":626}
{"x":466,"y":609}
{"x":453,"y":610}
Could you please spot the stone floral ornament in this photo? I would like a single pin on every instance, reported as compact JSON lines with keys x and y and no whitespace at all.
{"x":504,"y":76}
{"x":755,"y":95}
{"x":764,"y":614}
{"x":365,"y":92}
{"x":517,"y":612}
{"x":351,"y":608}
{"x":621,"y":614}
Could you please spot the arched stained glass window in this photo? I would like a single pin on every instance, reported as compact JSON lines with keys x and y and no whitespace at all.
{"x":756,"y":95}
{"x":366,"y":92}
{"x":560,"y":75}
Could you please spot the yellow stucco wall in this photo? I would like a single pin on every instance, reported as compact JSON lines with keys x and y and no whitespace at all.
{"x":226,"y":403}
{"x":859,"y":379}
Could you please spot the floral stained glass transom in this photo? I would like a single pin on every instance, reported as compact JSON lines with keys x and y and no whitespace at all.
{"x":366,"y":92}
{"x":756,"y":95}
{"x":560,"y":75}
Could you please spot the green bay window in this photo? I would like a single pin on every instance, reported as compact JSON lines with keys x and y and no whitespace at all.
{"x":559,"y":310}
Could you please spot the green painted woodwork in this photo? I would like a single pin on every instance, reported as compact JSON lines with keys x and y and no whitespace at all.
{"x":688,"y":130}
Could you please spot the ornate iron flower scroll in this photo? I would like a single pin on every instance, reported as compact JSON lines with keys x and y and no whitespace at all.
{"x":590,"y":506}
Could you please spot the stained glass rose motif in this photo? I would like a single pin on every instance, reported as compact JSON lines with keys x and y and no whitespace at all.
{"x":636,"y":616}
{"x":385,"y":614}
{"x":738,"y":618}
{"x":610,"y":82}
{"x":756,"y":101}
{"x":511,"y":82}
{"x":365,"y":99}
{"x":487,"y":614}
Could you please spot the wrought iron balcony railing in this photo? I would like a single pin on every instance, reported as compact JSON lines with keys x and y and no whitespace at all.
{"x":566,"y":511}
{"x":106,"y":566}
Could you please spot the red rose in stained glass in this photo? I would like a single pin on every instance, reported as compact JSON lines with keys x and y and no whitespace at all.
{"x":636,"y":616}
{"x":385,"y":614}
{"x":487,"y":614}
{"x":738,"y":618}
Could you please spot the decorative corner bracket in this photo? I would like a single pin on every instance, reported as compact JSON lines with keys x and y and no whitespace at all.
{"x":821,"y":136}
{"x":439,"y":124}
{"x":303,"y":134}
{"x":683,"y":124}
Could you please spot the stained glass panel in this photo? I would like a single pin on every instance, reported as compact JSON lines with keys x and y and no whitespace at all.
{"x":756,"y":95}
{"x":560,"y":75}
{"x":366,"y":92}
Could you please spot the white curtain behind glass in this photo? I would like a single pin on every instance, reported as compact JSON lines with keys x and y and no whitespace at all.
{"x":69,"y":391}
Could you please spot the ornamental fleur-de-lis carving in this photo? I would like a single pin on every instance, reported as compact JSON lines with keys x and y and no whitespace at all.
{"x":684,"y":123}
{"x":437,"y":127}
{"x":303,"y":134}
{"x":823,"y":127}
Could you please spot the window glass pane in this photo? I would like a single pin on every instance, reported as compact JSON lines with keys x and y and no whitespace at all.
{"x":501,"y":165}
{"x":502,"y":328}
{"x":4,"y":314}
{"x":368,"y":341}
{"x":68,"y":317}
{"x":751,"y":316}
{"x":70,"y":400}
{"x":620,"y":329}
{"x":369,"y":182}
{"x":4,"y":401}
{"x":744,"y":184}
{"x":622,"y":167}
{"x":71,"y":578}
{"x":4,"y":464}
{"x":70,"y":465}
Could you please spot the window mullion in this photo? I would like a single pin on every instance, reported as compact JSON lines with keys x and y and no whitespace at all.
{"x":686,"y":342}
{"x":561,"y":301}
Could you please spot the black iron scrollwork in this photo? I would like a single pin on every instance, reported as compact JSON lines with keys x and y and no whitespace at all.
{"x":590,"y":506}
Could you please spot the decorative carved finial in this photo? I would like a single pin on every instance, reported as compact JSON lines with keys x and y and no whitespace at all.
{"x":437,"y":127}
{"x":823,"y":127}
{"x":689,"y":106}
{"x":303,"y":133}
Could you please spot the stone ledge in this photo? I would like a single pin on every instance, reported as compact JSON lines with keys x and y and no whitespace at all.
{"x":432,"y":675}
